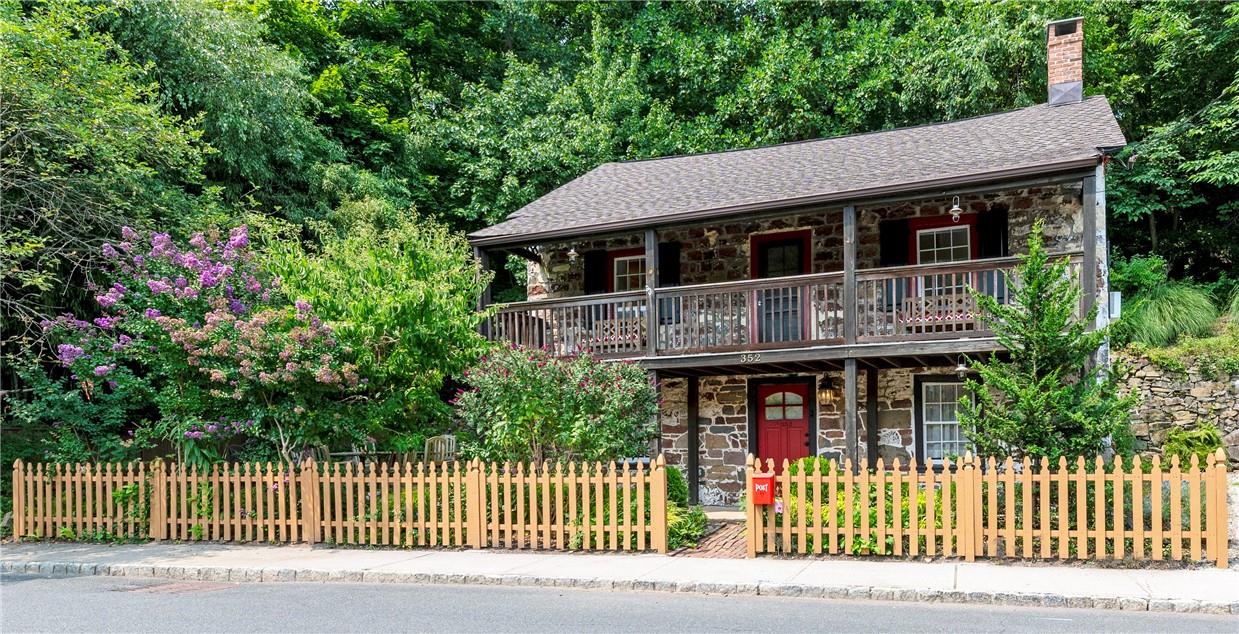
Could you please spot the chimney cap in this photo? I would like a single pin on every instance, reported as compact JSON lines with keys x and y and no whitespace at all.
{"x":1064,"y":21}
{"x":1050,"y":26}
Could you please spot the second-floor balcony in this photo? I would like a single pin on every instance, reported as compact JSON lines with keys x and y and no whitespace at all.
{"x":891,"y":304}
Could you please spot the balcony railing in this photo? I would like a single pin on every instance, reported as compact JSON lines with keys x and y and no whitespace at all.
{"x":906,"y":303}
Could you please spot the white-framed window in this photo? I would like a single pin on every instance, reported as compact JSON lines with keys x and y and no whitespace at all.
{"x":784,"y":406}
{"x":629,"y":273}
{"x":940,"y":418}
{"x":944,"y":244}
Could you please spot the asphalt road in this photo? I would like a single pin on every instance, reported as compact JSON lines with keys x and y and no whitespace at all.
{"x":31,"y":603}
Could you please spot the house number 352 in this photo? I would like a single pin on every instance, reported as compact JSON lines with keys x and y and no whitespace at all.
{"x":750,"y":357}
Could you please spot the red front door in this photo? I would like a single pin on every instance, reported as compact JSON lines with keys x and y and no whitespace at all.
{"x":782,"y":422}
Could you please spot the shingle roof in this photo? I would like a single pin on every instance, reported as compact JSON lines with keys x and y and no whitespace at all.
{"x":655,"y":191}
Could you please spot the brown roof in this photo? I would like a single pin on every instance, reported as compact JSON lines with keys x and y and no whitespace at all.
{"x":633,"y":194}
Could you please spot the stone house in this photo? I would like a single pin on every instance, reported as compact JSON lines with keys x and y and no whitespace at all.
{"x":814,"y":298}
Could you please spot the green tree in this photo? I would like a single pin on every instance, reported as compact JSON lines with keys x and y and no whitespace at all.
{"x":403,"y":295}
{"x":250,"y":98}
{"x":84,"y":150}
{"x":1048,"y":399}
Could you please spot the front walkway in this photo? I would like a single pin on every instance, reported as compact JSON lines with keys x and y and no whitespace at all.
{"x":723,"y":540}
{"x":1209,"y":590}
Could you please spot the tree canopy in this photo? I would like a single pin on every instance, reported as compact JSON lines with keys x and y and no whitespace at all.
{"x":169,"y":111}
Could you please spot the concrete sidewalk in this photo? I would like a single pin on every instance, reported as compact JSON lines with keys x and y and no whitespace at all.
{"x":1200,"y":590}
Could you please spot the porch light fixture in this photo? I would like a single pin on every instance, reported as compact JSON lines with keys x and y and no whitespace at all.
{"x":827,"y":392}
{"x":961,"y":370}
{"x":572,"y":254}
{"x":955,"y":210}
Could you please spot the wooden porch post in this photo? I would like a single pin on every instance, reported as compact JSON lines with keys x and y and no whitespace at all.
{"x":849,"y":331}
{"x":694,"y":441}
{"x":849,"y":409}
{"x":484,"y":299}
{"x":849,"y":275}
{"x":871,"y":414}
{"x":1100,"y":276}
{"x":651,"y":282}
{"x":1088,"y":271}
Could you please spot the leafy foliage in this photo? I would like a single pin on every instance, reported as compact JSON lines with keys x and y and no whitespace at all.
{"x":1217,"y":355}
{"x":404,"y":298}
{"x":200,"y":339}
{"x":526,"y":404}
{"x":1167,"y":312}
{"x":84,"y":149}
{"x":1201,"y":441}
{"x":1048,"y":399}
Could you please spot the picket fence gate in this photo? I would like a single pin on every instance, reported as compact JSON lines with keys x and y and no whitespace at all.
{"x":971,"y":507}
{"x":562,"y":506}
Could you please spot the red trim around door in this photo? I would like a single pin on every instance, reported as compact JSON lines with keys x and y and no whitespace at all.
{"x":756,"y":241}
{"x":938,"y":222}
{"x":619,"y":253}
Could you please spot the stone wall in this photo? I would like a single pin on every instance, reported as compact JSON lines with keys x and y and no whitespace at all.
{"x":719,"y":252}
{"x":724,"y":436}
{"x":1171,"y":398}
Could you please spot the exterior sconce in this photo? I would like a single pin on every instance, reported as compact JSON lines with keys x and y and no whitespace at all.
{"x":955,"y":210}
{"x":712,"y":238}
{"x":827,"y":392}
{"x":961,"y":370}
{"x":572,"y":254}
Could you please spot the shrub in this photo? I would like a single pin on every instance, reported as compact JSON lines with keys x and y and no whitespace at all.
{"x":203,"y":345}
{"x":527,"y":404}
{"x":404,"y":299}
{"x":685,"y":525}
{"x":1201,"y":441}
{"x":677,"y":487}
{"x":1138,"y":274}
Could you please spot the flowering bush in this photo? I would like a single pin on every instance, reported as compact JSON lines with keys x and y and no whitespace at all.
{"x":526,"y":404}
{"x":199,"y":335}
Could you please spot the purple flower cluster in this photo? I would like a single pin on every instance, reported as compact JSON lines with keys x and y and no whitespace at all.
{"x":221,"y":430}
{"x":112,"y":297}
{"x":68,"y":353}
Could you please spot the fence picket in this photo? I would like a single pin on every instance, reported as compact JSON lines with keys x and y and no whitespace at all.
{"x":1119,"y":483}
{"x":1193,"y":484}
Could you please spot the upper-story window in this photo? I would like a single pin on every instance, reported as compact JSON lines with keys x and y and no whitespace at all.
{"x":628,"y":273}
{"x":945,"y":244}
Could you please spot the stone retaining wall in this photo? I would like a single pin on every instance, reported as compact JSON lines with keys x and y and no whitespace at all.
{"x":1171,"y":399}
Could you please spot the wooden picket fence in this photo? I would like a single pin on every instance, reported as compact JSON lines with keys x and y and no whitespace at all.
{"x":969,"y":507}
{"x":568,"y":506}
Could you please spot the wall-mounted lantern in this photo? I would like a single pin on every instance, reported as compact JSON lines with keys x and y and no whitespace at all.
{"x":827,"y":391}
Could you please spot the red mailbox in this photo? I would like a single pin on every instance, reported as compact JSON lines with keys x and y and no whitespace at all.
{"x":763,"y":490}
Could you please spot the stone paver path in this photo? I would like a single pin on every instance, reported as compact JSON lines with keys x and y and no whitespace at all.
{"x":725,"y":542}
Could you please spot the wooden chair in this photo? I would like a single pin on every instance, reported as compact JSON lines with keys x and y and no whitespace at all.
{"x":440,"y":449}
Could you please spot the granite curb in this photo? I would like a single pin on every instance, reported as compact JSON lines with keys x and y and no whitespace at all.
{"x":874,"y":593}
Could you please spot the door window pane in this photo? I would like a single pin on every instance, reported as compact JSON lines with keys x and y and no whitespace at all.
{"x":783,"y":406}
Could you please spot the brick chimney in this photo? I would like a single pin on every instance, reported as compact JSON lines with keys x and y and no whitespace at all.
{"x":1064,"y":51}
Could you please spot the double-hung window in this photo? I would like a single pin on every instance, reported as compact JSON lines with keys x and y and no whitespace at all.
{"x":940,"y":418}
